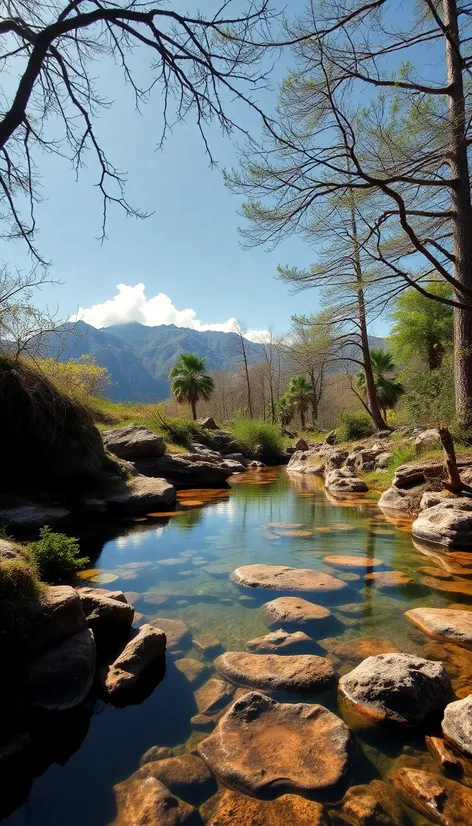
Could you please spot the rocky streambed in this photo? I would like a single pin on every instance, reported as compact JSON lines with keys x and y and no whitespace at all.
{"x":317,"y":669}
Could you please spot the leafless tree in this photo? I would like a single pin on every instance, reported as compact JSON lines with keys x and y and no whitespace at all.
{"x":49,"y":54}
{"x":240,"y":358}
{"x":379,"y":105}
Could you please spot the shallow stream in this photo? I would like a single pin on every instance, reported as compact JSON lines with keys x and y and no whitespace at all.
{"x":178,"y":567}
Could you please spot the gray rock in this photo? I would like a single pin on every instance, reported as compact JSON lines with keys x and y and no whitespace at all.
{"x":457,"y":724}
{"x":427,"y":440}
{"x":8,"y":550}
{"x":186,"y":470}
{"x":293,"y":611}
{"x":300,"y":444}
{"x":133,"y":442}
{"x":344,"y":480}
{"x":62,"y":677}
{"x":448,"y":523}
{"x":400,"y":499}
{"x":306,"y":462}
{"x":274,"y":672}
{"x":208,"y":422}
{"x":142,"y":495}
{"x":29,"y":517}
{"x":335,"y":458}
{"x":398,"y":688}
{"x":284,"y":578}
{"x":104,"y":614}
{"x":280,"y":642}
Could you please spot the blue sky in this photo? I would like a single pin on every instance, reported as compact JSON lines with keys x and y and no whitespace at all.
{"x":188,"y":249}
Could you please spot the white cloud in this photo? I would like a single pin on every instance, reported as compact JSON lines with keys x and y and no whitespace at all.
{"x":131,"y":304}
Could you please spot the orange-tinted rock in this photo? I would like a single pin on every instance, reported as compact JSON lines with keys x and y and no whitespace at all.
{"x":274,"y":672}
{"x":456,"y":589}
{"x":149,"y":803}
{"x":372,"y":805}
{"x":293,"y":611}
{"x":444,"y":754}
{"x":283,"y":578}
{"x":265,"y":748}
{"x":193,"y":670}
{"x":178,"y":634}
{"x":147,"y":645}
{"x":207,"y":643}
{"x":386,"y":580}
{"x":367,"y":563}
{"x":186,"y":776}
{"x":438,"y":573}
{"x":213,"y":696}
{"x":442,"y":800}
{"x":396,"y":688}
{"x":354,"y":651}
{"x":232,"y":809}
{"x":444,"y":624}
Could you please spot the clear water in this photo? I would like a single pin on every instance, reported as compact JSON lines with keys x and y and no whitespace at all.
{"x":179,"y":568}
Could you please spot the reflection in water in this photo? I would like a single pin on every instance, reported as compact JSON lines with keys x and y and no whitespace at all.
{"x":178,"y":567}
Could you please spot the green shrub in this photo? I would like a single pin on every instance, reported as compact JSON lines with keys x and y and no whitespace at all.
{"x":19,"y":584}
{"x":56,"y":555}
{"x":252,"y":432}
{"x":353,"y":425}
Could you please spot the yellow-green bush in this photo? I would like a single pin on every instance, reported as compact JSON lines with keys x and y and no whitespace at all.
{"x":79,"y":378}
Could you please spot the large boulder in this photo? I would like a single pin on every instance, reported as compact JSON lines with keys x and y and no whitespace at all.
{"x":335,"y":458}
{"x":274,"y":672}
{"x":427,"y":440}
{"x":396,"y":688}
{"x":344,"y":480}
{"x":29,"y":517}
{"x":133,"y":442}
{"x":142,"y":495}
{"x":441,"y":800}
{"x":444,"y":624}
{"x":186,"y":776}
{"x":293,"y":611}
{"x":125,"y":673}
{"x":457,"y":724}
{"x":448,"y":523}
{"x":186,"y":470}
{"x":406,"y":500}
{"x":147,"y":802}
{"x":264,"y":748}
{"x":56,"y":615}
{"x":306,"y":461}
{"x":283,"y":578}
{"x":375,"y":804}
{"x":62,"y":677}
{"x":105,"y":614}
{"x":207,"y":422}
{"x":229,"y":808}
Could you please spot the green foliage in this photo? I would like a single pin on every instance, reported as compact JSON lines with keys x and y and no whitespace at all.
{"x":189,"y":382}
{"x":285,"y":409}
{"x":422,"y":327}
{"x":19,"y":584}
{"x":353,"y":425}
{"x":388,"y":390}
{"x":56,"y":555}
{"x":300,"y":391}
{"x":429,"y":396}
{"x":78,"y":378}
{"x":252,"y":432}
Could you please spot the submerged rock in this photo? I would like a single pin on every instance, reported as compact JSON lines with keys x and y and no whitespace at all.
{"x":273,"y":672}
{"x":444,"y":624}
{"x":448,"y":523}
{"x":133,"y":442}
{"x":124,"y":674}
{"x":387,"y":580}
{"x":457,"y":724}
{"x":178,"y":634}
{"x":397,"y":688}
{"x":229,"y":808}
{"x":193,"y":670}
{"x":372,"y":805}
{"x":213,"y":696}
{"x":355,"y":651}
{"x":293,"y":611}
{"x":142,"y":495}
{"x":280,"y":642}
{"x":265,"y":748}
{"x":440,"y":799}
{"x":186,"y":776}
{"x":148,"y":802}
{"x":447,"y":757}
{"x":62,"y":677}
{"x":367,"y":563}
{"x":283,"y":578}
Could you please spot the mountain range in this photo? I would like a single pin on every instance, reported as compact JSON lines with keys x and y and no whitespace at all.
{"x":138,"y":358}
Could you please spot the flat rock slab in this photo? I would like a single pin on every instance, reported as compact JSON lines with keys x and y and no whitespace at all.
{"x":444,"y":624}
{"x":360,"y":563}
{"x":283,"y":578}
{"x":133,"y":442}
{"x":457,"y":724}
{"x":142,"y":494}
{"x":265,"y":749}
{"x":177,"y":632}
{"x":396,"y":688}
{"x":274,"y":672}
{"x":280,"y":642}
{"x":148,"y":801}
{"x":213,"y":696}
{"x":442,"y":800}
{"x":355,"y":651}
{"x":207,"y":643}
{"x":193,"y":670}
{"x":457,"y":589}
{"x":293,"y":611}
{"x":186,"y":776}
{"x":232,"y":809}
{"x":387,"y":580}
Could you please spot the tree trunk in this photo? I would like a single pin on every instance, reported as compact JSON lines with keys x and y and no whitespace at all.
{"x":302,"y":417}
{"x":193,"y":405}
{"x":372,"y":403}
{"x":314,"y":400}
{"x":447,"y":442}
{"x":462,"y":215}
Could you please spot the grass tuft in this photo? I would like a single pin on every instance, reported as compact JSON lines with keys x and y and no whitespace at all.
{"x":253,"y":432}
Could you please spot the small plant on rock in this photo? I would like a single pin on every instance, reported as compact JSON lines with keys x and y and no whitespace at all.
{"x":56,"y":555}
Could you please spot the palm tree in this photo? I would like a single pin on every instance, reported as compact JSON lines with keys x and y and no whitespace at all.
{"x":388,"y":389}
{"x":189,"y":382}
{"x":286,"y":410}
{"x":300,"y":391}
